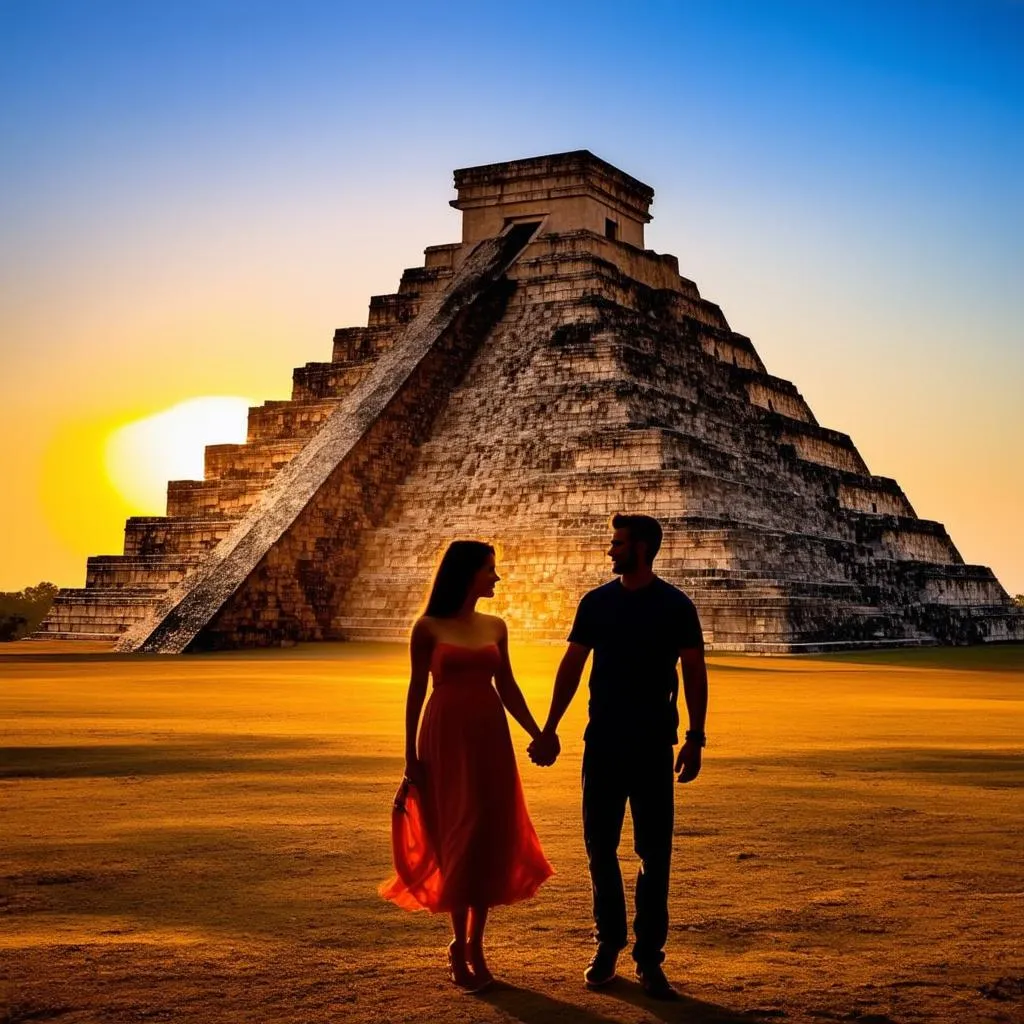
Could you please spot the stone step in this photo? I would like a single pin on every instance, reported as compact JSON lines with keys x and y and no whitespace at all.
{"x":359,"y":344}
{"x":738,"y":645}
{"x":98,"y":612}
{"x":387,"y":631}
{"x":396,"y":309}
{"x":115,"y":572}
{"x":418,"y":281}
{"x":65,"y":635}
{"x":282,"y":421}
{"x":970,"y":624}
{"x":256,"y":460}
{"x":159,"y":535}
{"x":198,"y":499}
{"x":320,"y":381}
{"x":962,"y":591}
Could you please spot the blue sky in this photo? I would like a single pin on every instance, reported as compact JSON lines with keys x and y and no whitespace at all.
{"x":193,"y":195}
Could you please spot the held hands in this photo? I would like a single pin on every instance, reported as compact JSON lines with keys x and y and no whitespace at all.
{"x":544,"y":750}
{"x":688,"y":760}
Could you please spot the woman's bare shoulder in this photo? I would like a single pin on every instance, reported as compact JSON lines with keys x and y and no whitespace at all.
{"x":495,"y":623}
{"x":424,"y":628}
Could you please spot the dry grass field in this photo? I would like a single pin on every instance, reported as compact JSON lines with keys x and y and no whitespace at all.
{"x":199,"y":839}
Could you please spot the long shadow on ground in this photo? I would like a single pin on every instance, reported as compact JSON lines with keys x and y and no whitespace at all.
{"x":228,"y":753}
{"x":992,"y":769}
{"x":536,"y":1008}
{"x":686,"y":1010}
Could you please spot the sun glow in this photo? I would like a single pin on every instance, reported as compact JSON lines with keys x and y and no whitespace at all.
{"x":142,"y":456}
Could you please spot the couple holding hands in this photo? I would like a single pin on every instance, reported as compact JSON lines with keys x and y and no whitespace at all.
{"x":461,"y":835}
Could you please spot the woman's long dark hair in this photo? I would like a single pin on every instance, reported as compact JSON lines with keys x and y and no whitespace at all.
{"x":459,"y":564}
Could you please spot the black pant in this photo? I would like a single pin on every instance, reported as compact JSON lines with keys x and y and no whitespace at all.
{"x":642,"y":775}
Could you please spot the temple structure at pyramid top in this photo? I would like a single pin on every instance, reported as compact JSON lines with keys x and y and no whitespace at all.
{"x":521,"y":386}
{"x":570,"y":191}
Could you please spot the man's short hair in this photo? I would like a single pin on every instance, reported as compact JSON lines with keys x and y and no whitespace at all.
{"x":641,"y":528}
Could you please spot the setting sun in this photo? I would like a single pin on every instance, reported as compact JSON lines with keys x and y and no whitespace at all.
{"x":142,"y":456}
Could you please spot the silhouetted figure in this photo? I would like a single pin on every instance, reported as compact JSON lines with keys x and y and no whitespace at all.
{"x":638,"y":627}
{"x":463,"y":841}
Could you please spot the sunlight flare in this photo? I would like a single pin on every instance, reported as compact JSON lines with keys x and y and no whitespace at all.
{"x":142,"y":456}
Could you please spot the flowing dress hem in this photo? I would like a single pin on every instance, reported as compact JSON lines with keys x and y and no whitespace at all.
{"x":395,"y":891}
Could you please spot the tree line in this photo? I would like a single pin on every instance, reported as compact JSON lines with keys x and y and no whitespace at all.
{"x":21,"y":611}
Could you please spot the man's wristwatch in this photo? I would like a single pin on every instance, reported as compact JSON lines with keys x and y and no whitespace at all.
{"x":696,"y":737}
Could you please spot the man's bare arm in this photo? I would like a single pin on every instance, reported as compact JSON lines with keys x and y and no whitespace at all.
{"x":695,"y":686}
{"x":544,"y":750}
{"x":695,"y":692}
{"x":567,"y":682}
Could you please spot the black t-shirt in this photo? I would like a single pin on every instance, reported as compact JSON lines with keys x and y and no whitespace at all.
{"x":636,"y":637}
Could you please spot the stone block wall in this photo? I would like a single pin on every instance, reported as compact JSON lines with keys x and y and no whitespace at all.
{"x":158,"y":535}
{"x":918,"y":540}
{"x":825,"y":448}
{"x":151,"y":571}
{"x":768,"y":393}
{"x":877,"y":495}
{"x":293,"y":420}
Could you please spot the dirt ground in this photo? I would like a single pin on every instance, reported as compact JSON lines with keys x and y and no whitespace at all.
{"x":200,"y":838}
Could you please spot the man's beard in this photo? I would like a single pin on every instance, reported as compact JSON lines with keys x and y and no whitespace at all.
{"x":623,"y":565}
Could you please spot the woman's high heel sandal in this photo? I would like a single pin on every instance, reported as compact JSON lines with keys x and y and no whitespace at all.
{"x":457,"y":969}
{"x":482,"y":977}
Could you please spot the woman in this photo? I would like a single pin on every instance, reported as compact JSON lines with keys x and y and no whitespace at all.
{"x":463,"y":841}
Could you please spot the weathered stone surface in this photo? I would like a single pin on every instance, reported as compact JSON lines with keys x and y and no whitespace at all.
{"x":572,"y":190}
{"x":590,"y":378}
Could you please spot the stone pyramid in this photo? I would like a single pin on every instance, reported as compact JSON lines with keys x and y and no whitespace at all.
{"x":521,"y":386}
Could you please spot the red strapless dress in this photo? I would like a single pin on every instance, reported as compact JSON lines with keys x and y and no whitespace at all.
{"x":467,"y":839}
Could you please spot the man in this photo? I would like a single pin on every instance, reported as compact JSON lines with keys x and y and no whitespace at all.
{"x":638,"y":626}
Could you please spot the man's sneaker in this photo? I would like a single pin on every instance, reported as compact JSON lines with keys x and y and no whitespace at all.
{"x":601,"y":969}
{"x":655,"y":984}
